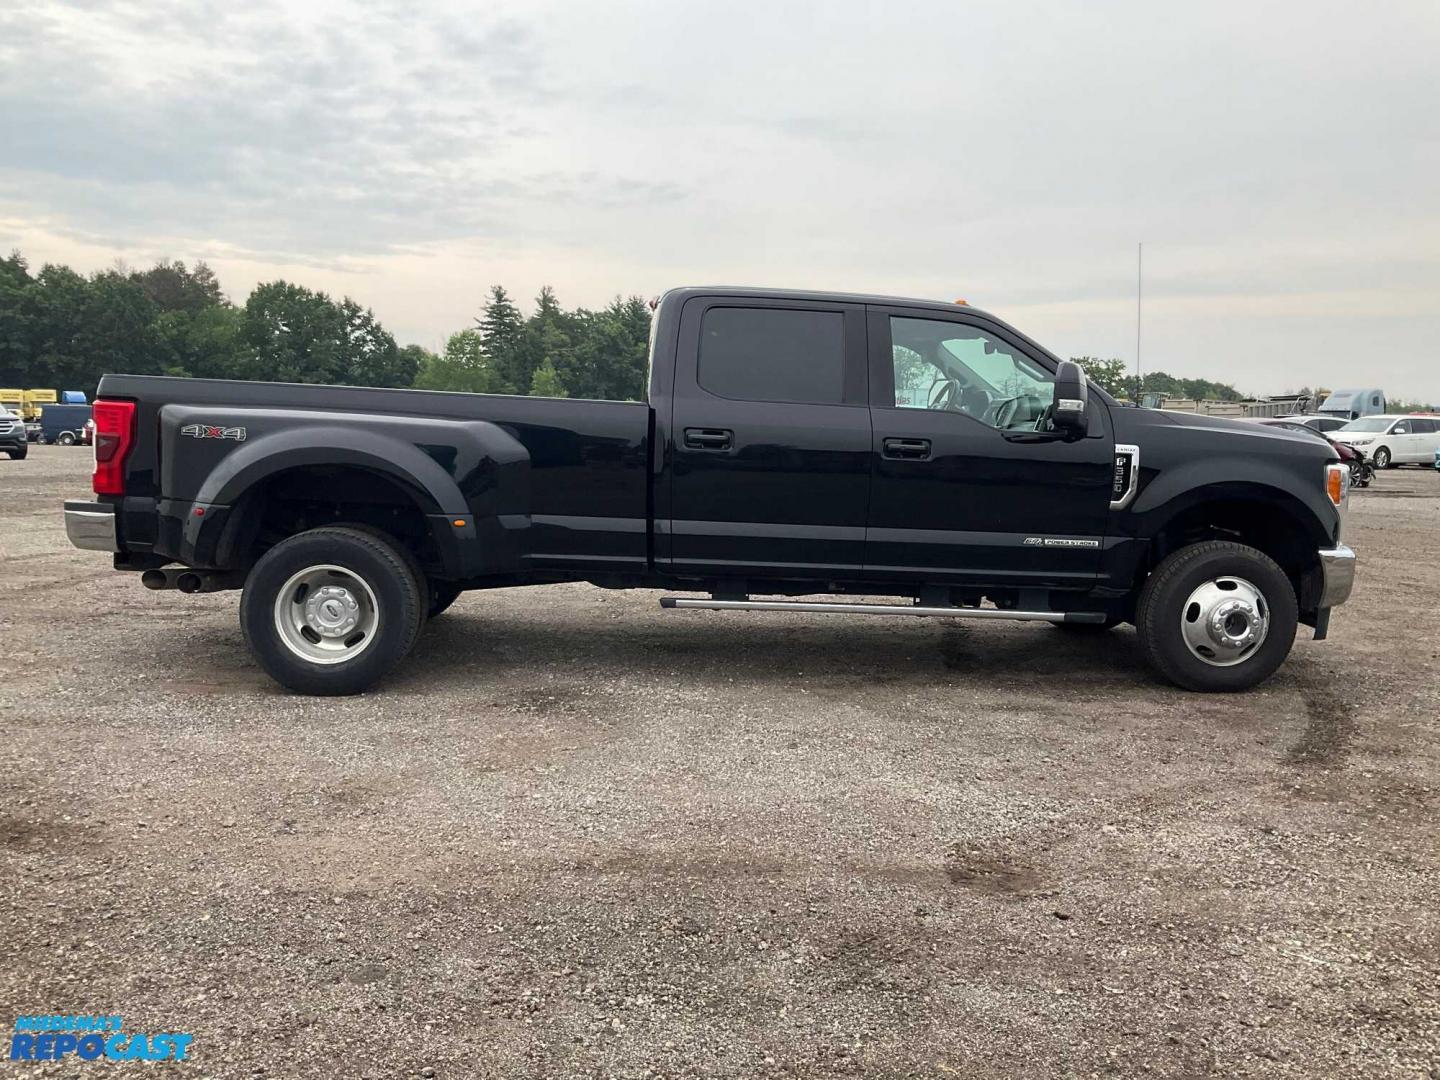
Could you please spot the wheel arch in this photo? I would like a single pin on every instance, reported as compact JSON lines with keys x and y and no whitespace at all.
{"x":1270,"y":519}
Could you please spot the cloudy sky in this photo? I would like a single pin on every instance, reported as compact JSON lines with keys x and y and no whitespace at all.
{"x":1280,"y":161}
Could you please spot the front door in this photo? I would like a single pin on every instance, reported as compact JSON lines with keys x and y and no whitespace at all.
{"x":769,"y":441}
{"x":969,"y":487}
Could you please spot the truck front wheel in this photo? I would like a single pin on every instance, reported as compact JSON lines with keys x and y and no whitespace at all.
{"x":1217,"y":616}
{"x":331,"y":610}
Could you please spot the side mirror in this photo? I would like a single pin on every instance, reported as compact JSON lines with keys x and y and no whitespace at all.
{"x":1072,"y":397}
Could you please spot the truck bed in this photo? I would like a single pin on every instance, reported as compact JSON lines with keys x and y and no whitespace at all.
{"x":562,"y":483}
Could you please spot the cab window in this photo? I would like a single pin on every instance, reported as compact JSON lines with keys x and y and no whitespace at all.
{"x":948,"y":367}
{"x":773,"y":354}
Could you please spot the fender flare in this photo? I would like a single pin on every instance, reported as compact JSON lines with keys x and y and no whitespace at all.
{"x":312,"y":445}
{"x":1182,"y":487}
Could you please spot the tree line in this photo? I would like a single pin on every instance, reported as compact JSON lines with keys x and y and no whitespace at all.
{"x":1110,"y":374}
{"x":62,"y":330}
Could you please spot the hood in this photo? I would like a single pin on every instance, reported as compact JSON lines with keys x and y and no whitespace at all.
{"x":1222,"y":434}
{"x":1196,"y":422}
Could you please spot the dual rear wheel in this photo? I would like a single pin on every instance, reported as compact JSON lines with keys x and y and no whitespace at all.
{"x":332,"y":610}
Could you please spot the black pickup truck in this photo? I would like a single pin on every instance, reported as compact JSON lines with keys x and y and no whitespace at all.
{"x":794,"y":444}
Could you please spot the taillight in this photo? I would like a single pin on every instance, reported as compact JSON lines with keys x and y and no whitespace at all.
{"x":114,"y":435}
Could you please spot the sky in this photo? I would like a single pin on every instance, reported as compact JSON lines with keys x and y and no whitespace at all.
{"x":1280,"y":161}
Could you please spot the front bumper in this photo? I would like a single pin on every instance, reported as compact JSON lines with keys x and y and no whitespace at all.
{"x":1337,"y":573}
{"x":91,"y":526}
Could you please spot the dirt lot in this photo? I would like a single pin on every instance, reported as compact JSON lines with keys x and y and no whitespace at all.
{"x":577,"y":836}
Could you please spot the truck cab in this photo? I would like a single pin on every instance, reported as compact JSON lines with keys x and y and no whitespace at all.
{"x":794,"y":444}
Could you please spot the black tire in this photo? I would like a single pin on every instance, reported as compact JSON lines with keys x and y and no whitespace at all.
{"x":1381,"y":458}
{"x":1165,"y":596}
{"x":378,"y":563}
{"x":19,"y":454}
{"x":66,"y":438}
{"x":442,"y":595}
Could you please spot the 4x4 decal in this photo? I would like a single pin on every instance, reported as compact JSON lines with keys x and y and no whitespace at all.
{"x":213,"y":431}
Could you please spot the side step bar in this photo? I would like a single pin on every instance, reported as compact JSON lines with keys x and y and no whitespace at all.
{"x":884,"y":609}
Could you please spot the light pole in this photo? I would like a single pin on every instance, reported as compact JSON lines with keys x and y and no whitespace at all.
{"x":1139,"y":287}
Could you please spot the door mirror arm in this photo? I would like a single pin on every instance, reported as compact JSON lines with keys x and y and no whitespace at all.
{"x":1041,"y":436}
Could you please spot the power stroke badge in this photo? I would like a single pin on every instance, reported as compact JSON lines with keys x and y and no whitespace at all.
{"x":1059,"y":542}
{"x":213,"y":431}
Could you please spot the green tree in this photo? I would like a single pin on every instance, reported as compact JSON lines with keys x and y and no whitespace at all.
{"x":464,"y":366}
{"x":502,"y":332}
{"x":17,"y":320}
{"x":546,"y":382}
{"x":610,"y":353}
{"x":171,"y":287}
{"x":291,"y":334}
{"x":204,"y":344}
{"x":370,"y":356}
{"x":1108,"y":374}
{"x":112,"y":331}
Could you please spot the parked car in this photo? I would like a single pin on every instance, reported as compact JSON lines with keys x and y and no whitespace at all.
{"x":64,"y":424}
{"x":1318,"y":421}
{"x":793,"y":444}
{"x":1361,"y":472}
{"x":13,"y":438}
{"x":1392,"y":440}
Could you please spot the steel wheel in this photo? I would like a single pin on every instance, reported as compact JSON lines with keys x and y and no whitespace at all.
{"x":1224,"y":621}
{"x":326,"y":614}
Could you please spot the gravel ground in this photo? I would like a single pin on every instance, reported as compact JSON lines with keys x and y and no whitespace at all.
{"x":577,"y":836}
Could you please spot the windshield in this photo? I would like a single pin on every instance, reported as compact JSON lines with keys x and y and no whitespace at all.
{"x":1369,"y":423}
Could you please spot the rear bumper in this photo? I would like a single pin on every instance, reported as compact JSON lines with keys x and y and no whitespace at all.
{"x":91,"y":526}
{"x":1337,"y":569}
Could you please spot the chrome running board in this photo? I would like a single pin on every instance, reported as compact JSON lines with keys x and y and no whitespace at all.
{"x":882,"y":609}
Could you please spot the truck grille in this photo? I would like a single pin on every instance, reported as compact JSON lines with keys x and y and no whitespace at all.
{"x":8,"y":427}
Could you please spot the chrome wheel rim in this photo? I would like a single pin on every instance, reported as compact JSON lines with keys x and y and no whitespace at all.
{"x":326,"y":614}
{"x":1225,"y":621}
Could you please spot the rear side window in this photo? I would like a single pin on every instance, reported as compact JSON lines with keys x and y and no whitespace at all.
{"x":1422,"y":427}
{"x":773,"y":354}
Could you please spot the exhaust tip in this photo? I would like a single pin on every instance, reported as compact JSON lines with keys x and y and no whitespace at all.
{"x":154,"y":579}
{"x":189,"y":583}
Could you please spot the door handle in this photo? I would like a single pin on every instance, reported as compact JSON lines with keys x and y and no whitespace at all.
{"x":708,"y":438}
{"x":907,"y":449}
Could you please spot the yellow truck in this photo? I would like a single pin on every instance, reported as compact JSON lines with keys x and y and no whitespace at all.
{"x":13,"y":401}
{"x":35,"y":402}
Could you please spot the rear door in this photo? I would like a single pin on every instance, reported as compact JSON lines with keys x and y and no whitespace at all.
{"x":966,"y":490}
{"x":1424,"y":439}
{"x":770,"y":440}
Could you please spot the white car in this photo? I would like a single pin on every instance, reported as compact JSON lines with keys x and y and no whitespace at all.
{"x":1393,"y":440}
